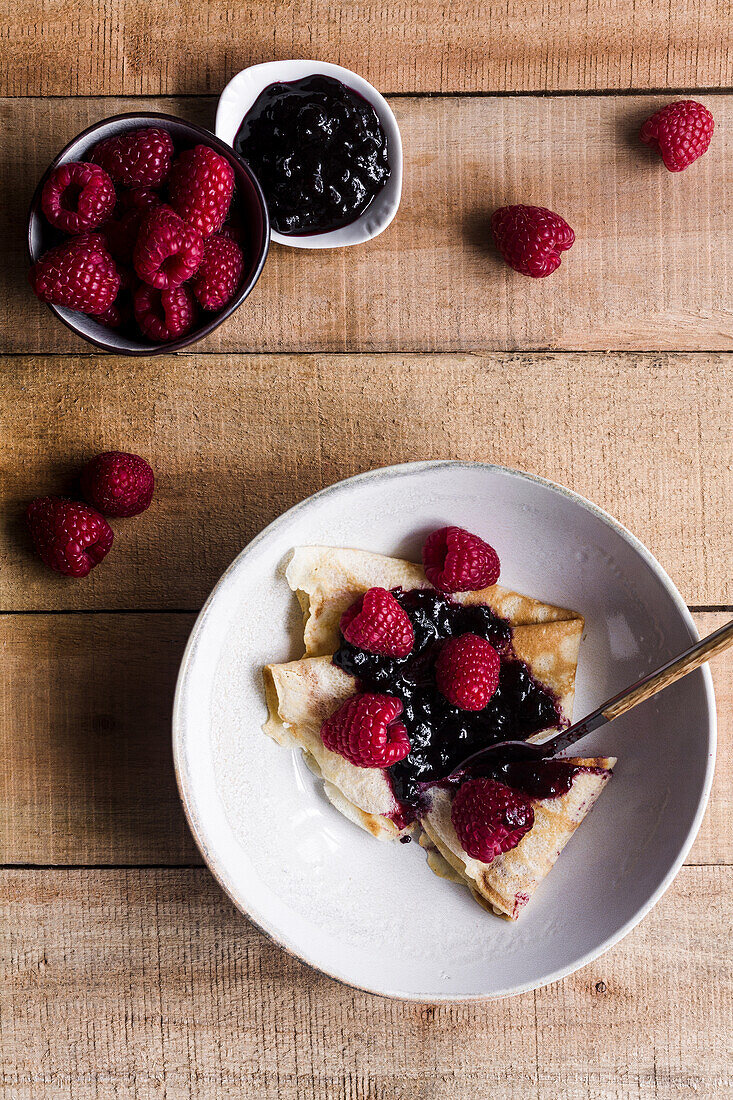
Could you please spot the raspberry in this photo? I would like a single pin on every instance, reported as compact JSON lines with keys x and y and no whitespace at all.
{"x":77,"y":197}
{"x":128,"y":278}
{"x":232,"y":232}
{"x":141,"y":199}
{"x":68,"y":536}
{"x":121,"y":232}
{"x":531,"y":238}
{"x":164,"y":315}
{"x":457,"y":561}
{"x":681,"y":132}
{"x":366,"y":732}
{"x":136,"y":156}
{"x":118,"y":484}
{"x":79,"y":274}
{"x":467,"y":671}
{"x":167,"y":251}
{"x":201,"y":188}
{"x":377,"y":623}
{"x":218,"y":276}
{"x":490,"y":818}
{"x":112,"y":317}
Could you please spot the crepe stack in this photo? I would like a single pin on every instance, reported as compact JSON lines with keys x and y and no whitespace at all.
{"x":302,"y":694}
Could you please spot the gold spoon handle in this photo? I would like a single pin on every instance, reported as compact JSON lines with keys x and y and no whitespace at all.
{"x":697,"y":655}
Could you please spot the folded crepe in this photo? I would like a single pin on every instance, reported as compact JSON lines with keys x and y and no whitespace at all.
{"x":302,"y":694}
{"x":327,"y":580}
{"x":506,"y":884}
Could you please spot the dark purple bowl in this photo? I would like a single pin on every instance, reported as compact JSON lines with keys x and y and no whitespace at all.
{"x":249,"y":211}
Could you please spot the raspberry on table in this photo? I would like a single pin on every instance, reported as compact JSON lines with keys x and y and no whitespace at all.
{"x":457,"y":561}
{"x":467,"y":671}
{"x":365,"y":730}
{"x":201,"y":186}
{"x":217,"y":279}
{"x":136,"y":156}
{"x":77,"y":197}
{"x":164,"y":315}
{"x":680,"y":132}
{"x":531,"y":238}
{"x":377,"y":623}
{"x":79,"y":274}
{"x":490,"y":818}
{"x":68,"y":536}
{"x":167,"y":251}
{"x":117,"y":483}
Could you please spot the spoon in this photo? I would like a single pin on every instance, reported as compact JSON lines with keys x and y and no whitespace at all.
{"x":619,"y":704}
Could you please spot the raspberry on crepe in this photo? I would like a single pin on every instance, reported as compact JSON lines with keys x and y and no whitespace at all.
{"x":377,"y":623}
{"x":490,"y":818}
{"x":467,"y":671}
{"x":366,"y":730}
{"x":457,"y":561}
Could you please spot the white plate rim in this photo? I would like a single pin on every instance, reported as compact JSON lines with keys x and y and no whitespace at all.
{"x":400,"y":470}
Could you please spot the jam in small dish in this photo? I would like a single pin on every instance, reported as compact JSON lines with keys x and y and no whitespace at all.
{"x":319,"y":152}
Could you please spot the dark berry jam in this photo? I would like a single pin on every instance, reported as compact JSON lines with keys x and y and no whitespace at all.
{"x":442,"y":735}
{"x":540,"y":779}
{"x":319,"y":152}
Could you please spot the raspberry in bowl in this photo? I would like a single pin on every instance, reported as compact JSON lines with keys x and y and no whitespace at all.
{"x":145,"y":233}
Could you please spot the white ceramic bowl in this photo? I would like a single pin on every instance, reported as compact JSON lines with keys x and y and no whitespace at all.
{"x":373,"y":914}
{"x":244,"y":88}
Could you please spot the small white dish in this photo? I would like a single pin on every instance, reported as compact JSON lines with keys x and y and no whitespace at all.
{"x":244,"y":88}
{"x":372,"y":914}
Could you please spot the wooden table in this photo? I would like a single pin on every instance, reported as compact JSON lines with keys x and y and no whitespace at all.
{"x":124,"y":970}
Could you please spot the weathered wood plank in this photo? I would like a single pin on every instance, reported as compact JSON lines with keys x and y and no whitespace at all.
{"x":64,"y":48}
{"x":87,"y":769}
{"x":143,"y":983}
{"x":85,"y":742}
{"x":236,"y":440}
{"x":652,"y":267}
{"x":653,"y":1019}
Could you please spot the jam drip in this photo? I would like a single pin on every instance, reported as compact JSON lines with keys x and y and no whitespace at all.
{"x":318,"y":150}
{"x":542,"y":778}
{"x":442,"y":735}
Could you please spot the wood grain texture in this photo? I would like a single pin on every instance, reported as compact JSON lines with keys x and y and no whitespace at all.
{"x":147,"y":983}
{"x":86,"y":774}
{"x":652,"y":267}
{"x":85,"y":711}
{"x":235,"y":440}
{"x":125,"y":47}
